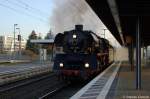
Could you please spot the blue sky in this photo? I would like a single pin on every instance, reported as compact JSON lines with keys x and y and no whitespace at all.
{"x":43,"y":15}
{"x":28,"y":14}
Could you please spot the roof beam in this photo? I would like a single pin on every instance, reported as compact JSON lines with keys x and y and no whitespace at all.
{"x":115,"y":14}
{"x":39,"y":41}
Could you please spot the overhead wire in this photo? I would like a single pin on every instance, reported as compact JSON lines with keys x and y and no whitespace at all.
{"x":20,"y":12}
{"x":27,"y":8}
{"x":32,"y":8}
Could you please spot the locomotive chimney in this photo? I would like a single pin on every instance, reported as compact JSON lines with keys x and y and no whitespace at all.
{"x":79,"y":27}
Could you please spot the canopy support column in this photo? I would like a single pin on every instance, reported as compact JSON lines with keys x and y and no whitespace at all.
{"x":138,"y":55}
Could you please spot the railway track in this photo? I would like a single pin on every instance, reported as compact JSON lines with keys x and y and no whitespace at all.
{"x":66,"y":92}
{"x":32,"y":88}
{"x":14,"y":75}
{"x":53,"y":92}
{"x":45,"y":86}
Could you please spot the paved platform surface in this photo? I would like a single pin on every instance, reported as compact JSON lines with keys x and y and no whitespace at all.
{"x":99,"y":87}
{"x":117,"y":82}
{"x":124,"y":85}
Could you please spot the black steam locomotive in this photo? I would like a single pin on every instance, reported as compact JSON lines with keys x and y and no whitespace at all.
{"x":81,"y":53}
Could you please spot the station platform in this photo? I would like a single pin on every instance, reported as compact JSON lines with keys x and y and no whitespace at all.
{"x":18,"y":71}
{"x":14,"y":61}
{"x":117,"y":82}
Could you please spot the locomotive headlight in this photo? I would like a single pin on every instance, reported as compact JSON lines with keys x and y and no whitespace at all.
{"x":74,"y":36}
{"x":86,"y":65}
{"x":61,"y":64}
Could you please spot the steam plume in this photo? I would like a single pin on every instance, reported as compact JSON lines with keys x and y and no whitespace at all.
{"x":67,"y":13}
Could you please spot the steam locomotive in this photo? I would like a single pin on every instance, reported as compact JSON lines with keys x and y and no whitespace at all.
{"x":81,"y":54}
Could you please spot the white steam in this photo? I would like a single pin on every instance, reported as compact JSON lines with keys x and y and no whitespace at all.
{"x":67,"y":13}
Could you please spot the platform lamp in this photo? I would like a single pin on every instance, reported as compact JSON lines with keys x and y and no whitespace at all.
{"x":14,"y":39}
{"x":19,"y":39}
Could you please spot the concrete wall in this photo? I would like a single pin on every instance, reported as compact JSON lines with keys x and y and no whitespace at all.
{"x":121,"y":54}
{"x":142,"y":57}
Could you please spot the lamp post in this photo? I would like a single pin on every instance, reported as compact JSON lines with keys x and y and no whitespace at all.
{"x":14,"y":38}
{"x":19,"y":39}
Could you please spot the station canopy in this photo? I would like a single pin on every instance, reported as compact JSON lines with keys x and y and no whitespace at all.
{"x":120,"y":17}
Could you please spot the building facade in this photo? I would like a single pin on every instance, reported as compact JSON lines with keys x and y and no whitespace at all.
{"x":7,"y":44}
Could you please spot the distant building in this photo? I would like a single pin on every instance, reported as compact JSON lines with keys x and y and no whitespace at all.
{"x":7,"y":44}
